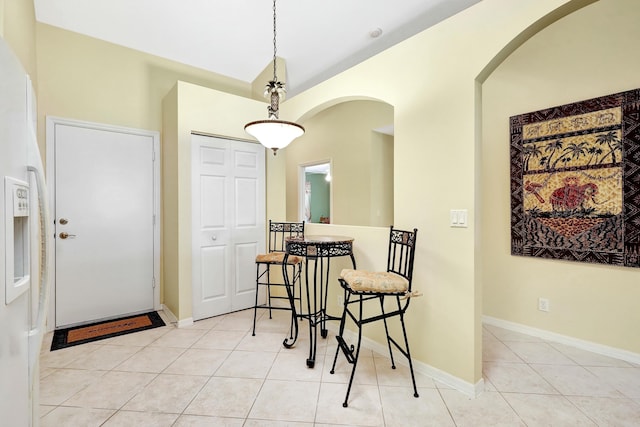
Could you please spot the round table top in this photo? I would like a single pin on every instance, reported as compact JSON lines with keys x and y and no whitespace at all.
{"x":319,"y":239}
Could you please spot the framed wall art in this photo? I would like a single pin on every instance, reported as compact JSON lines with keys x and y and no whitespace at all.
{"x":575,"y":181}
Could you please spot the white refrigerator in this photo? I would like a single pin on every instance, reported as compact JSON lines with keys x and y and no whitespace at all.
{"x":25,"y":246}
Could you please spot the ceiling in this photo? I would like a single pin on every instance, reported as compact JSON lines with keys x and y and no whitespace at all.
{"x":316,"y":38}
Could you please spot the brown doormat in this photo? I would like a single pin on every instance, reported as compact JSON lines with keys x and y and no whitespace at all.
{"x":68,"y":337}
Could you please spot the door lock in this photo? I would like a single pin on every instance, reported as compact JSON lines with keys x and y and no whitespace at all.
{"x":65,"y":235}
{"x":63,"y":221}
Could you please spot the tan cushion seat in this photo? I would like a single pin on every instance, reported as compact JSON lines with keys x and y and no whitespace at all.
{"x":277,"y":258}
{"x":367,"y":281}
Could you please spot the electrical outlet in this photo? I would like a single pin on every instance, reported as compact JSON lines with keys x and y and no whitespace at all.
{"x":543,"y":304}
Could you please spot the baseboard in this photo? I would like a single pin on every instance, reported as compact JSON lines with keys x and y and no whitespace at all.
{"x":169,"y":314}
{"x":593,"y":347}
{"x":174,"y":320}
{"x":469,"y":389}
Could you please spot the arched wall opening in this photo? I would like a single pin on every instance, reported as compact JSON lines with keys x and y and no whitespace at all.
{"x":575,"y":57}
{"x":354,"y":136}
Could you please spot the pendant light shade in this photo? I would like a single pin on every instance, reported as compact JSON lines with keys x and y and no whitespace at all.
{"x":274,"y":133}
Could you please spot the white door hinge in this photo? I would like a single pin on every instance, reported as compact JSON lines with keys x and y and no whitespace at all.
{"x":153,"y":282}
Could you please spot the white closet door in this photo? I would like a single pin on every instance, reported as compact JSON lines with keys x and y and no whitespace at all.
{"x":228,"y":223}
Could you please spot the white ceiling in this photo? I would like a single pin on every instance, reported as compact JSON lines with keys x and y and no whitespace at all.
{"x":316,"y":38}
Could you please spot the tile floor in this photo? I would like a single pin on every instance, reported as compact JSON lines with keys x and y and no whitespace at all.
{"x":215,"y":373}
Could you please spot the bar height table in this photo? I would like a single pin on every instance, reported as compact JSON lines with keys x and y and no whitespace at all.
{"x":319,"y":250}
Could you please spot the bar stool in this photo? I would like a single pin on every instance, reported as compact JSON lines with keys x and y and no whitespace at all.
{"x":278,"y":231}
{"x":395,"y":284}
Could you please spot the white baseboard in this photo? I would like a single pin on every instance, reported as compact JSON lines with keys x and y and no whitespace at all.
{"x":593,"y":347}
{"x":185,"y":322}
{"x":468,"y":389}
{"x":173,"y":319}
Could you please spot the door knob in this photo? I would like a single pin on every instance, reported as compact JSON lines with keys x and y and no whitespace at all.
{"x":214,"y":238}
{"x":63,"y":221}
{"x":65,"y":235}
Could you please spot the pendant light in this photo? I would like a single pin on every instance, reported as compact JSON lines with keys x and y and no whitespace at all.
{"x":274,"y":133}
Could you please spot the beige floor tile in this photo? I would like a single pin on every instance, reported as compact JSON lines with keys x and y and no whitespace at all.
{"x":202,"y":421}
{"x":238,"y":321}
{"x":401,"y":375}
{"x":587,"y":358}
{"x":365,"y":371}
{"x":539,"y":352}
{"x":61,"y":358}
{"x":576,"y":381}
{"x":279,"y":322}
{"x":215,"y":373}
{"x":56,"y":388}
{"x":487,"y":336}
{"x":220,"y":340}
{"x":179,"y":337}
{"x":625,"y":380}
{"x":268,"y":423}
{"x":402,"y":409}
{"x":65,"y":416}
{"x":263,"y":341}
{"x":45,"y":409}
{"x":167,"y":393}
{"x":499,"y":352}
{"x":286,"y":401}
{"x":609,"y":412}
{"x":225,"y":397}
{"x":506,"y":335}
{"x":106,"y":357}
{"x":111,"y":391}
{"x":365,"y":407}
{"x":488,"y":385}
{"x":198,"y":362}
{"x":489,"y":409}
{"x":247,"y":364}
{"x":516,"y":378}
{"x":545,"y":410}
{"x":140,"y":419}
{"x":150,"y":359}
{"x":206,"y":324}
{"x":290,"y":366}
{"x":45,"y":372}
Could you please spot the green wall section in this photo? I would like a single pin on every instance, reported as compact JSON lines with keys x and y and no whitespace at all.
{"x":320,"y":196}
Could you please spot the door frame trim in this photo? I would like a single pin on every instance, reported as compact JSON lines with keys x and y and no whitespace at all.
{"x":51,"y":123}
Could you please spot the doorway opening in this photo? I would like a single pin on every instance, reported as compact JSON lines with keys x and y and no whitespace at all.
{"x":315,"y":192}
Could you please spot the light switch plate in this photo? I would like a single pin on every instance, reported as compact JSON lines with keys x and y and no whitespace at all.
{"x":458,"y":218}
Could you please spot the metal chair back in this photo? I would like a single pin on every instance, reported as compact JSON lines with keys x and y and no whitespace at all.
{"x":278,"y":231}
{"x":402,"y":245}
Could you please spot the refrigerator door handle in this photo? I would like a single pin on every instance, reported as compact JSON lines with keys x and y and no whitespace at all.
{"x":35,"y":334}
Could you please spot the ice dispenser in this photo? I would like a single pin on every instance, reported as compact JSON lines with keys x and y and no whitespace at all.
{"x":17,"y":271}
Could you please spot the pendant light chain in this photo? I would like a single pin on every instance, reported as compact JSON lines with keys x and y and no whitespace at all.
{"x":274,"y":133}
{"x":275,"y":49}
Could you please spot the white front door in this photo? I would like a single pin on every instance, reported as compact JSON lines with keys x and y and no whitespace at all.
{"x":104,"y":221}
{"x":228,"y":213}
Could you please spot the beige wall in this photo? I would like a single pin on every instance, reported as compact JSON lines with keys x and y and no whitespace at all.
{"x":343,"y":134}
{"x":588,"y":54}
{"x":17,"y":27}
{"x":191,"y":108}
{"x":430,"y":80}
{"x":88,"y":79}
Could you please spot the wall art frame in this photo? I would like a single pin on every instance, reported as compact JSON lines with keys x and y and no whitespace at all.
{"x":575,"y":181}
